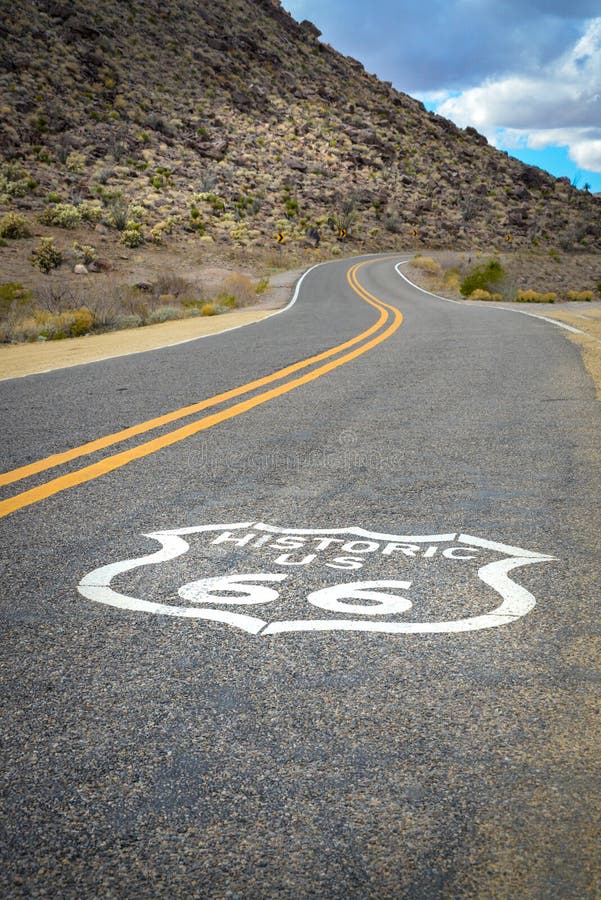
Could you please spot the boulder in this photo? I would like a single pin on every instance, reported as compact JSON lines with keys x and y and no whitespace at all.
{"x":296,"y":164}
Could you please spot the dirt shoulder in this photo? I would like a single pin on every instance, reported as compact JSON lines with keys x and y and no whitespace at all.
{"x":17,"y":360}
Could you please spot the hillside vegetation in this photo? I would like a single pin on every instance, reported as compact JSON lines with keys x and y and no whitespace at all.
{"x":233,"y":121}
{"x":131,"y":127}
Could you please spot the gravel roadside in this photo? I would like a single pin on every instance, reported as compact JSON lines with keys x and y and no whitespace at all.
{"x":17,"y":360}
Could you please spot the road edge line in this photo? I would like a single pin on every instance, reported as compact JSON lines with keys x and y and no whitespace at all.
{"x":520,"y":312}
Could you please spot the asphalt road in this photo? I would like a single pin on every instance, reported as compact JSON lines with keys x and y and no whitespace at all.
{"x":404,"y":702}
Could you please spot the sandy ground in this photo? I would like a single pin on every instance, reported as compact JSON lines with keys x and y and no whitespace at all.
{"x":17,"y":360}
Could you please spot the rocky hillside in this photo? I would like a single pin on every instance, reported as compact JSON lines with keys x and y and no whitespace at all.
{"x":228,"y":120}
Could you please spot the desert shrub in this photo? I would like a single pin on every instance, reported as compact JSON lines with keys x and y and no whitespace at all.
{"x":130,"y":320}
{"x":78,"y":321}
{"x":196,"y":222}
{"x":535,"y":297}
{"x":49,"y":326}
{"x":91,"y":211}
{"x":216,"y":203}
{"x":132,"y":235}
{"x":426,"y":264}
{"x":291,"y":207}
{"x":14,"y":226}
{"x":85,"y":253}
{"x":192,"y":307}
{"x":483,"y":277}
{"x":163,"y":314}
{"x":393,"y":223}
{"x":247,"y":206}
{"x":579,"y":295}
{"x":46,"y":256}
{"x":75,"y":162}
{"x":171,"y":283}
{"x":62,"y":215}
{"x":14,"y":182}
{"x":158,"y":231}
{"x":262,"y":286}
{"x":119,"y":214}
{"x":452,"y":280}
{"x":27,"y":329}
{"x":239,"y":286}
{"x":208,"y":309}
{"x":135,"y":302}
{"x":480,"y":294}
{"x":56,"y":297}
{"x":13,"y":296}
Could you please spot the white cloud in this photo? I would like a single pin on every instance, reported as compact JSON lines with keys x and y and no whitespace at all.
{"x":587,"y":154}
{"x":559,"y":106}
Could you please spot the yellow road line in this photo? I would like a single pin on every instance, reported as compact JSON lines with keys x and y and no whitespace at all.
{"x":90,"y":472}
{"x":109,"y":440}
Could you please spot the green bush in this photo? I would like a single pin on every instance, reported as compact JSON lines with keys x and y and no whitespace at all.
{"x":14,"y":182}
{"x":62,"y":215}
{"x":85,"y":253}
{"x":46,"y":257}
{"x":91,"y":211}
{"x":483,"y":277}
{"x":14,"y":226}
{"x":132,"y":235}
{"x":291,"y":208}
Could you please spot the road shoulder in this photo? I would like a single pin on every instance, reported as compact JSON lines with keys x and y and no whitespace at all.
{"x":18,"y":360}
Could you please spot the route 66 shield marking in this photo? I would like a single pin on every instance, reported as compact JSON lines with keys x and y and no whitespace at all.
{"x":374,"y":604}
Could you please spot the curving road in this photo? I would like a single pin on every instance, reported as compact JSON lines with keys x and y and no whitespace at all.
{"x":306,"y":609}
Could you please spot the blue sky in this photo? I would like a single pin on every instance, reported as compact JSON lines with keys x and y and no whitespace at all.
{"x":526,"y":73}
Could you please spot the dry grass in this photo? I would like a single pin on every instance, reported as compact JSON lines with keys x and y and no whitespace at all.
{"x":54,"y":309}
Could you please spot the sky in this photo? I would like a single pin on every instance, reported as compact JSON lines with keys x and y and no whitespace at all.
{"x":525,"y":73}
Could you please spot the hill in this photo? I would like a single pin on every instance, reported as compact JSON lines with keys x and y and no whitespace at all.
{"x":231,"y":121}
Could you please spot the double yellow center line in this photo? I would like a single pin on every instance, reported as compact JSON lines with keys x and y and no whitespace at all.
{"x":389,"y":320}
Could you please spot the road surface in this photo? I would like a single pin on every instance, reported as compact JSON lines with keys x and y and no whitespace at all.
{"x":306,"y":609}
